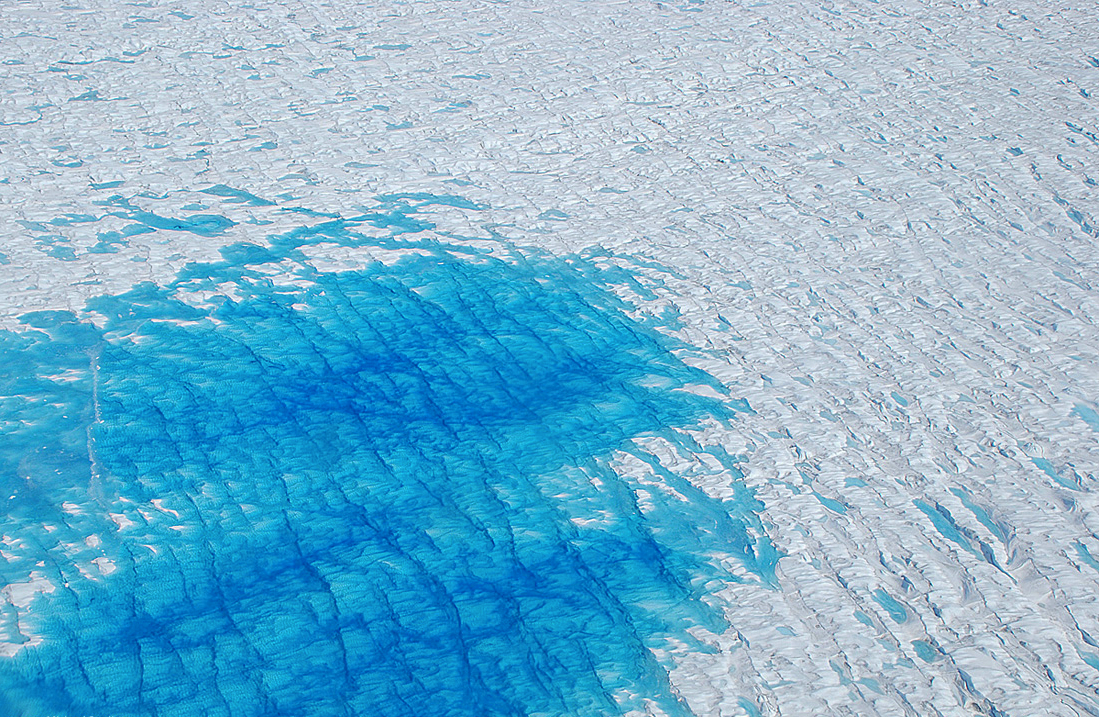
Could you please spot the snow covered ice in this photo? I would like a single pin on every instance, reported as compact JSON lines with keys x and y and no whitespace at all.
{"x":576,"y":358}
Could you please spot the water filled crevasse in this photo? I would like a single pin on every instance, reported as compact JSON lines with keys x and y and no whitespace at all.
{"x":384,"y":492}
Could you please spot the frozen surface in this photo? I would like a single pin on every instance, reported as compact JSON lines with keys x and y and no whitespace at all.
{"x":383,"y":492}
{"x":529,"y":358}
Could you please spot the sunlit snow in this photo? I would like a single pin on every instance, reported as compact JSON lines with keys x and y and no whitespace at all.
{"x":576,"y":358}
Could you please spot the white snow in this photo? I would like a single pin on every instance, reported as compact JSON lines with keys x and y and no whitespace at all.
{"x":880,"y":227}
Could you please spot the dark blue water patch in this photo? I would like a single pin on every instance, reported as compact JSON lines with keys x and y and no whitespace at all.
{"x":111,"y":242}
{"x":895,"y":610}
{"x":33,"y":226}
{"x":414,"y":201}
{"x":1088,"y":415}
{"x":456,"y":106}
{"x":864,"y":618}
{"x":89,"y":96}
{"x":204,"y":225}
{"x":239,"y":196}
{"x":385,"y":492}
{"x":1084,"y":554}
{"x":70,"y":219}
{"x":944,"y":522}
{"x":872,"y":684}
{"x":1000,"y":530}
{"x":1046,"y":467}
{"x":57,"y":246}
{"x":394,"y":213}
{"x":831,"y":503}
{"x":925,"y":651}
{"x":62,"y":252}
{"x":305,"y":211}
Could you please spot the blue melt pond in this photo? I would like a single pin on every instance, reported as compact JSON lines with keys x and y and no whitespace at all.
{"x":380,"y":492}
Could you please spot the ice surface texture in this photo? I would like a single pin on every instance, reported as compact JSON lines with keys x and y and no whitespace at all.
{"x":875,"y":222}
{"x":373,"y":492}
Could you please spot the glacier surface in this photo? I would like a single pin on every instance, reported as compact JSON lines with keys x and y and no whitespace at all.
{"x":511,"y":358}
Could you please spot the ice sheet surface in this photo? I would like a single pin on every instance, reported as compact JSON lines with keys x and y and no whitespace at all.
{"x":385,"y":491}
{"x":511,"y":358}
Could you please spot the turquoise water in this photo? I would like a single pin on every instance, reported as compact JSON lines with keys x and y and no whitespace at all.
{"x":944,"y":522}
{"x":1087,"y":415}
{"x":925,"y":651}
{"x":831,"y":503}
{"x":386,"y":491}
{"x":896,"y":610}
